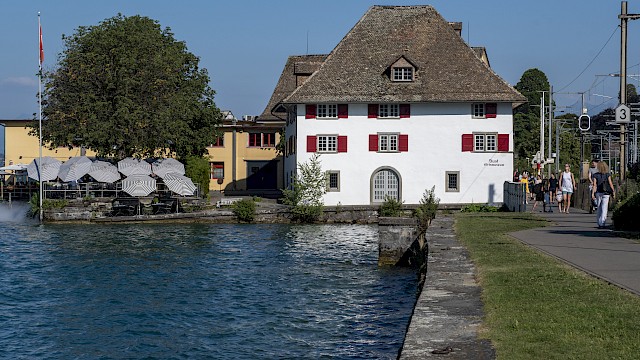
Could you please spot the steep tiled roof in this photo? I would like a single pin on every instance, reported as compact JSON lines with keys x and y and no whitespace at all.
{"x":448,"y":70}
{"x":297,"y":69}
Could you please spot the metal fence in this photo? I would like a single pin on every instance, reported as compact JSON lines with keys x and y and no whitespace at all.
{"x":515,"y":196}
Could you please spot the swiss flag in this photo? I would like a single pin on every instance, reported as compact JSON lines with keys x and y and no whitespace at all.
{"x":41,"y":48}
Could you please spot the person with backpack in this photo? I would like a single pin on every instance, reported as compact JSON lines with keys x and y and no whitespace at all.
{"x":602,"y":188}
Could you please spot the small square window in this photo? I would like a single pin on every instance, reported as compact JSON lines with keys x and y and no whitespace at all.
{"x":387,"y":142}
{"x":219,"y":142}
{"x":391,"y":111}
{"x":485,"y":142}
{"x":255,"y":139}
{"x":452,"y":181}
{"x":269,"y":139}
{"x":333,"y":181}
{"x":402,"y":74}
{"x":327,"y":111}
{"x":327,"y":143}
{"x":478,"y":111}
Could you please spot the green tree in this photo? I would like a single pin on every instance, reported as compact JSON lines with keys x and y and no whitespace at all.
{"x":198,"y":169}
{"x":526,"y":119}
{"x":127,"y":87}
{"x":308,"y":188}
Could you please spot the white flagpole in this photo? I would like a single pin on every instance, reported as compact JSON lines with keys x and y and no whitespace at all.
{"x":40,"y":114}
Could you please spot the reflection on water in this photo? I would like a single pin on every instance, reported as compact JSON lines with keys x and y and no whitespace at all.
{"x":197,"y":291}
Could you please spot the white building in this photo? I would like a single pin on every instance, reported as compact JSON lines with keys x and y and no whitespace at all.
{"x":400,"y":105}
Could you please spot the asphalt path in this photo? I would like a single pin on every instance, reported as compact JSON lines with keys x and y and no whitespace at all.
{"x":575,"y":239}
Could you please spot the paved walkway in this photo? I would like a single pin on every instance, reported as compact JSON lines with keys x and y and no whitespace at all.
{"x":575,"y":239}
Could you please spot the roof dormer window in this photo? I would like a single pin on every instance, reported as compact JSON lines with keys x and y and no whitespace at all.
{"x":402,"y":74}
{"x":402,"y":70}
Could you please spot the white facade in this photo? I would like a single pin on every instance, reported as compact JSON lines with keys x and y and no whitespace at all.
{"x":434,"y":133}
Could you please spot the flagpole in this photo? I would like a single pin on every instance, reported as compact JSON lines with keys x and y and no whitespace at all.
{"x":40,"y":59}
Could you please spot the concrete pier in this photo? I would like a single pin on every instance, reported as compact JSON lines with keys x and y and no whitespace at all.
{"x":448,"y":311}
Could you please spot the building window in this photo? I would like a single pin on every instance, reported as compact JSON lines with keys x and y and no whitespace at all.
{"x":219,"y":142}
{"x":388,"y":142}
{"x":327,"y":143}
{"x":327,"y":111}
{"x":217,"y":170}
{"x":333,"y":181}
{"x":255,"y":139}
{"x":269,"y":139}
{"x":402,"y":74}
{"x":389,"y":111}
{"x":478,"y":111}
{"x":452,"y":181}
{"x":485,"y":142}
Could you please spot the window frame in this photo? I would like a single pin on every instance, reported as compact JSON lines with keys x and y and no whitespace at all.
{"x":328,"y":111}
{"x":391,"y":111}
{"x":219,"y":142}
{"x":329,"y":174}
{"x":388,"y":138}
{"x":402,"y":74}
{"x":258,"y":137}
{"x":327,"y":149}
{"x":485,"y":139}
{"x":447,"y":181}
{"x":272,"y":136}
{"x":216,"y":165}
{"x":478,"y":111}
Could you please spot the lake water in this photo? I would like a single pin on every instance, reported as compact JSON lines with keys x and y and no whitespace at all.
{"x":198,"y":291}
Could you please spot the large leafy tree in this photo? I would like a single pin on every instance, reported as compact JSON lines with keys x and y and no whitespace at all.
{"x":127,"y":87}
{"x":526,"y":120}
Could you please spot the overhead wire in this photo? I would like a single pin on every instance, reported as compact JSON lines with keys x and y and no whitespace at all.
{"x":592,"y":60}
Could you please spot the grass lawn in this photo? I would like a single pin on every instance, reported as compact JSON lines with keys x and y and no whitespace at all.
{"x":538,"y":308}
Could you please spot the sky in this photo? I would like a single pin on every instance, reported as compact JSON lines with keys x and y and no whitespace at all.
{"x":244,"y":44}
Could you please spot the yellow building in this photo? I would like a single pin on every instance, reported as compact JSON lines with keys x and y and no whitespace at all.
{"x":20,"y":148}
{"x":245,"y":159}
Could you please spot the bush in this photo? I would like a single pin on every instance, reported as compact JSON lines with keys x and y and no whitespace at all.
{"x":390,"y":208}
{"x":427,"y":209}
{"x":198,"y":169}
{"x":625,"y":215}
{"x":480,"y":208}
{"x":47,"y":204}
{"x":245,"y":210}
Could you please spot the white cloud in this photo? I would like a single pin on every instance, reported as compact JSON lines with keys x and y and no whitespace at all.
{"x":20,"y":81}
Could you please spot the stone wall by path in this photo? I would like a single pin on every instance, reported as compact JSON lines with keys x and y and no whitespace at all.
{"x":448,"y":311}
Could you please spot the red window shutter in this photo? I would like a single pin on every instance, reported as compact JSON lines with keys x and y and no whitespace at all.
{"x":373,"y":142}
{"x":310,"y":112}
{"x":311,"y":143}
{"x":467,"y":142}
{"x":403,"y":142}
{"x":491,"y":109}
{"x":343,"y":111}
{"x":342,"y":144}
{"x":405,"y":110}
{"x":503,"y":142}
{"x":373,"y":111}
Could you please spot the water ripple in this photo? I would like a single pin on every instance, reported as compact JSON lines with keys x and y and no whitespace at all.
{"x":198,"y":291}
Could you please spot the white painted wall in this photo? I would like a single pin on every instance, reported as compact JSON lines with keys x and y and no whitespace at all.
{"x":435,"y":147}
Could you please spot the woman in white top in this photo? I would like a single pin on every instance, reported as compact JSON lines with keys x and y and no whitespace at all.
{"x":568,"y":183}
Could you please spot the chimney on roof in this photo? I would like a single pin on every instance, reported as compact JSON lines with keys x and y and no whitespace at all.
{"x":457,"y":27}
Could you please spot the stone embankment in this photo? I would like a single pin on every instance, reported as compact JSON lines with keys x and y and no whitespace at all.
{"x":448,"y":311}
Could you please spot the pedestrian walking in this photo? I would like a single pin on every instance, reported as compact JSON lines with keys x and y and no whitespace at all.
{"x":592,"y":170}
{"x":539,"y":192}
{"x":553,"y":187}
{"x":568,"y":184}
{"x":602,"y":189}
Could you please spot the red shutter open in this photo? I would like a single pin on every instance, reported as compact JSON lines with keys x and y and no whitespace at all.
{"x":342,"y":144}
{"x":405,"y":110}
{"x":503,"y":142}
{"x":403,"y":143}
{"x":491,"y":109}
{"x":373,"y":111}
{"x":311,"y":143}
{"x":343,"y":111}
{"x":373,"y":142}
{"x":310,"y":112}
{"x":467,"y":142}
